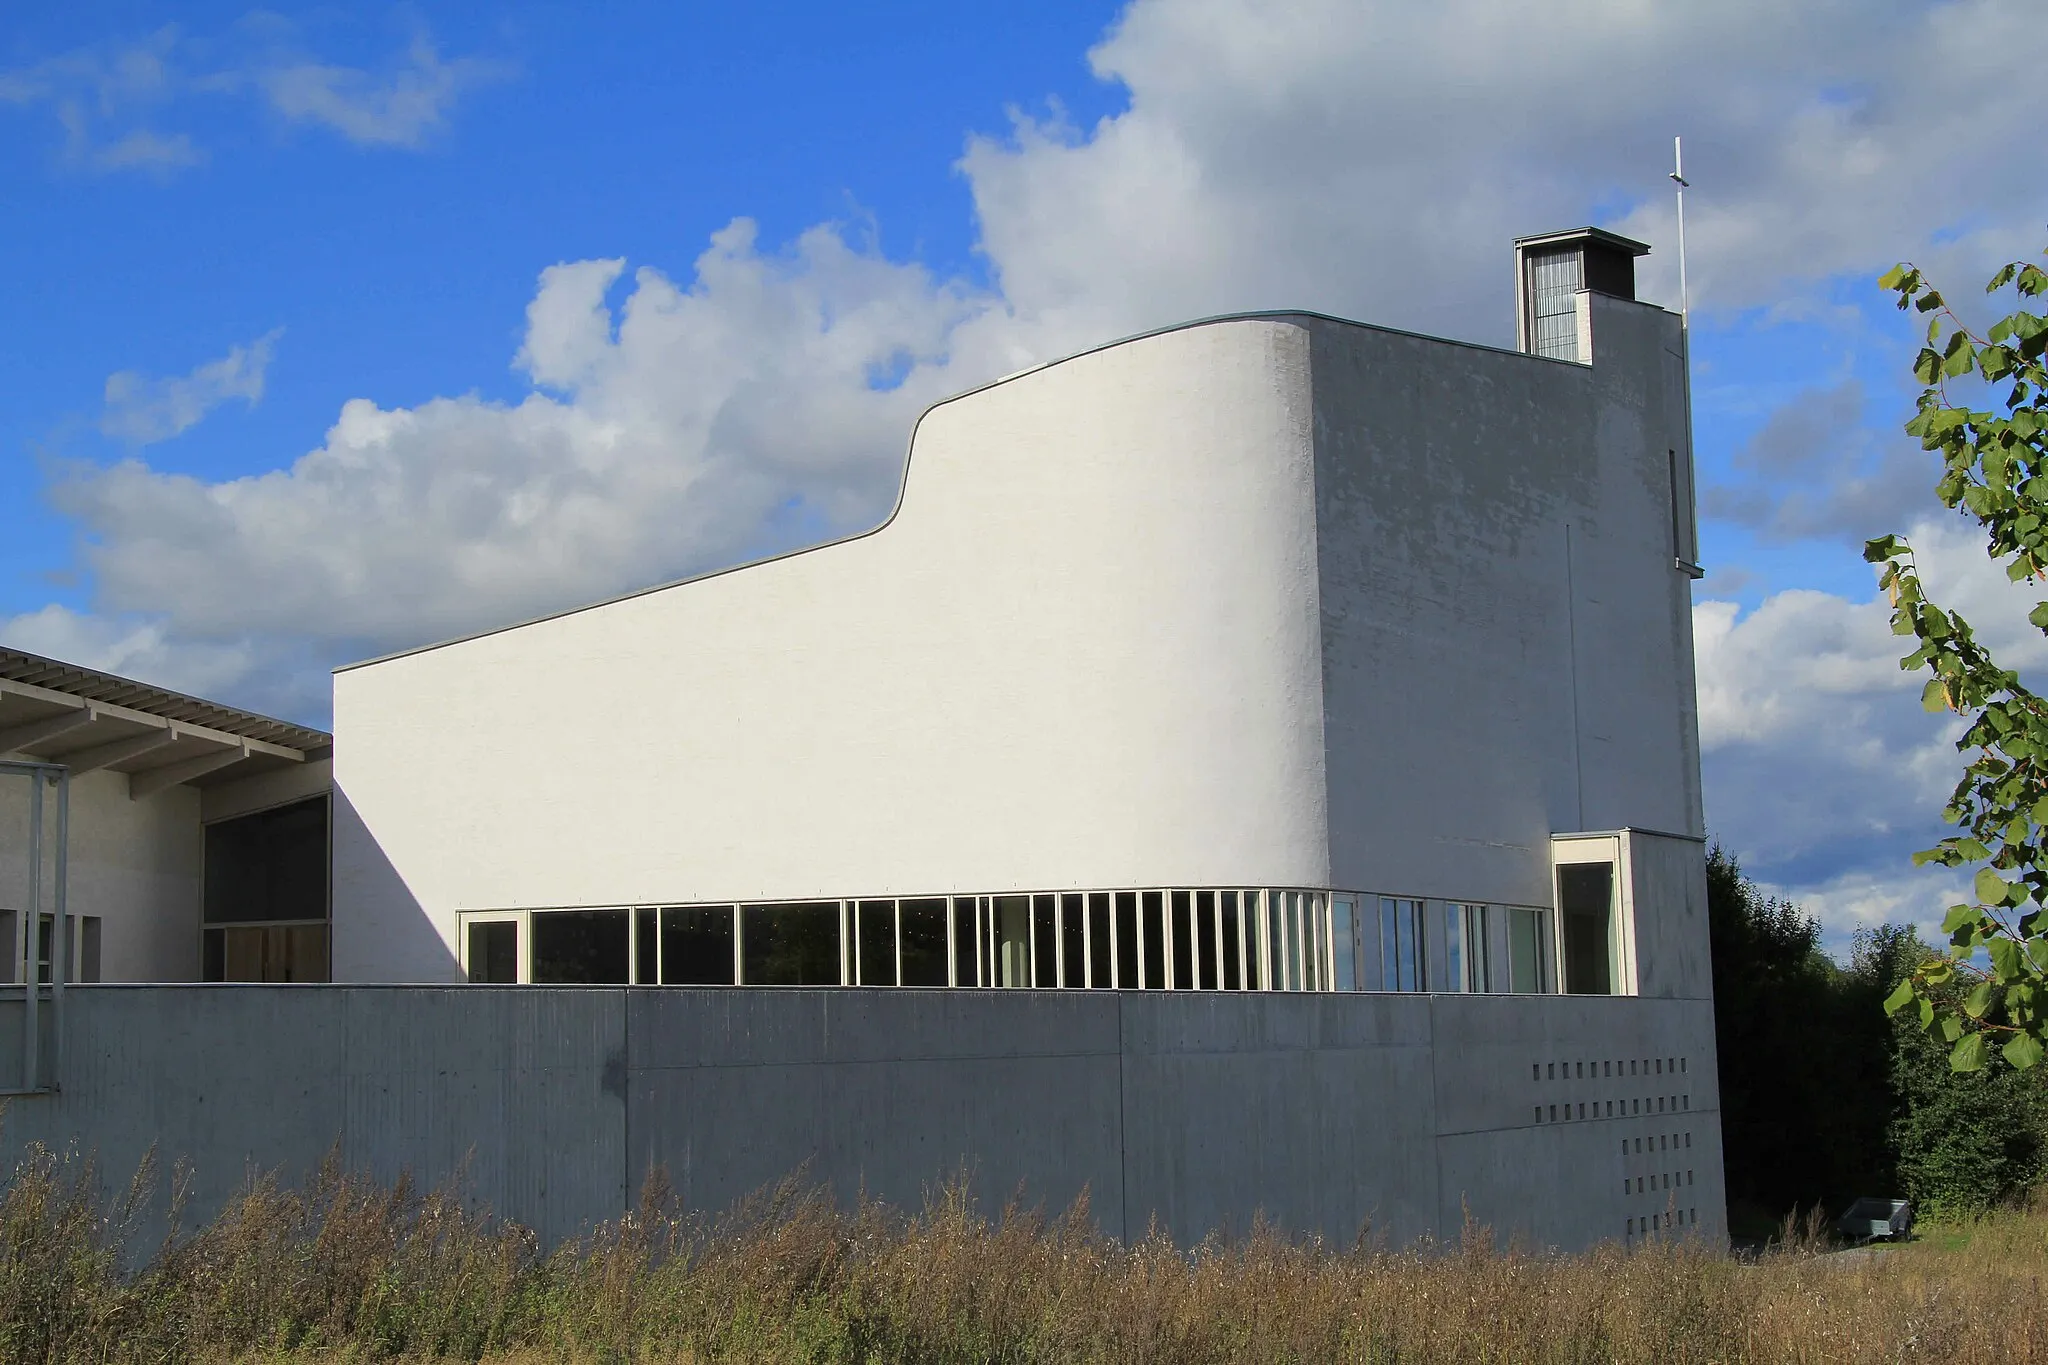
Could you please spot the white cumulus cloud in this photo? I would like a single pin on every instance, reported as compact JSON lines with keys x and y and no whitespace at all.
{"x":1823,"y":771}
{"x":142,"y":411}
{"x":111,"y":99}
{"x":396,"y":107}
{"x":139,"y":649}
{"x":1374,"y":159}
{"x":665,"y":438}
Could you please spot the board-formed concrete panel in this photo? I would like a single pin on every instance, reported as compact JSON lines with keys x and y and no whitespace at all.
{"x":882,"y":1092}
{"x":1329,"y":1114}
{"x":1311,"y":1111}
{"x":524,"y":1093}
{"x":1536,"y":1095}
{"x":234,"y":1082}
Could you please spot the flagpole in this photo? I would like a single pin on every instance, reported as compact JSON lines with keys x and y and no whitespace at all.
{"x":1678,"y":174}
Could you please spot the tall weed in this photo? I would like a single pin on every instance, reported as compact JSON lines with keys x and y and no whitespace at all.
{"x":346,"y":1267}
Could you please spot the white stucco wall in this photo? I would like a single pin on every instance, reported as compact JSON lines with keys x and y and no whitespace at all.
{"x":1083,"y":653}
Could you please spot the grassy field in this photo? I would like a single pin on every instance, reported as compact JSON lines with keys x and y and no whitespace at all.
{"x":348,"y":1269}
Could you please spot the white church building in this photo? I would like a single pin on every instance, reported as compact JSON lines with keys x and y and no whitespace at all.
{"x":1267,"y":652}
{"x":1270,"y":742}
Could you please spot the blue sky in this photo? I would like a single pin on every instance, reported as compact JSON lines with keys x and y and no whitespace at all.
{"x":401,"y":271}
{"x":331,"y":331}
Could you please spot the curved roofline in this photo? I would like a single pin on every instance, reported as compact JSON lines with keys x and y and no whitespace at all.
{"x":910,"y":449}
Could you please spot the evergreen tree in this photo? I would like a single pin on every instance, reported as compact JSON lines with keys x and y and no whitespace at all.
{"x":1824,"y":1099}
{"x":1801,"y":1124}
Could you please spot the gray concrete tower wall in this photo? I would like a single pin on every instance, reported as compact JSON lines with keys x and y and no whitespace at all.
{"x":1507,"y":637}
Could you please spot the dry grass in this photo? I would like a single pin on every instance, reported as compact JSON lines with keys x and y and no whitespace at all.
{"x":349,"y":1269}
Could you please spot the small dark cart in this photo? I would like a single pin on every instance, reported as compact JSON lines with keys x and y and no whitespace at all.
{"x":1869,"y":1219}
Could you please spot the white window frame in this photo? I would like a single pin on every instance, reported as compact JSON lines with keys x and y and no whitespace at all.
{"x":523,"y":973}
{"x":1573,"y":849}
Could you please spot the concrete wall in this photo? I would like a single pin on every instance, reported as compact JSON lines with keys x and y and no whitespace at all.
{"x":1668,"y":896}
{"x":1202,"y":1109}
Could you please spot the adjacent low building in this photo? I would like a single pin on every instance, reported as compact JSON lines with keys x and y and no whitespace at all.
{"x":196,"y":847}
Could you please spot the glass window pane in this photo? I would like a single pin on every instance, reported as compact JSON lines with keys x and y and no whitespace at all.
{"x":1013,"y":940}
{"x":89,"y":948}
{"x":1275,"y":970}
{"x":1045,"y":945}
{"x":921,"y":932}
{"x":1454,"y":947}
{"x":580,"y":947}
{"x":1291,"y":924}
{"x":875,"y":943}
{"x":965,"y":938}
{"x":1342,"y":928}
{"x":494,"y":951}
{"x":1304,"y":941}
{"x":1127,"y":940}
{"x":1287,"y":921}
{"x":1101,"y":935}
{"x":1390,"y":944}
{"x":1410,"y":918}
{"x":991,"y":953}
{"x":1205,"y":935}
{"x":268,"y":866}
{"x":790,"y":945}
{"x":696,"y":945}
{"x":1522,"y":958}
{"x":646,"y":953}
{"x":1585,"y":899}
{"x":1290,"y":938}
{"x":1233,"y":941}
{"x":1316,"y":916}
{"x":1153,"y":948}
{"x":1073,"y":944}
{"x":1479,"y":948}
{"x":1180,"y":933}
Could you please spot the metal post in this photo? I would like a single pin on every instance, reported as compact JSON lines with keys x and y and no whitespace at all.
{"x":60,"y":969}
{"x":31,"y":922}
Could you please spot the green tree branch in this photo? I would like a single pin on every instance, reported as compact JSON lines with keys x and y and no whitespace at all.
{"x":1991,"y":986}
